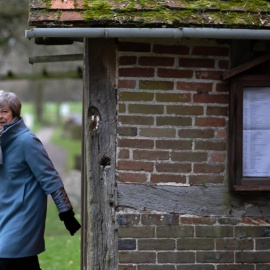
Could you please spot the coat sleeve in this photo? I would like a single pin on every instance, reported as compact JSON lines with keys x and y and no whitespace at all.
{"x":41,"y":165}
{"x":61,"y":200}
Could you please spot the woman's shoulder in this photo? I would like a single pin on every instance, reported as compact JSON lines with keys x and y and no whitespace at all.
{"x":29,"y":137}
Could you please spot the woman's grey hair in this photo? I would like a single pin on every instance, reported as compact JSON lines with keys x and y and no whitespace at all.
{"x":10,"y":99}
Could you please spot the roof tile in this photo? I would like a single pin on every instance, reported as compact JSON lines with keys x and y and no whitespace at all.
{"x":151,"y":13}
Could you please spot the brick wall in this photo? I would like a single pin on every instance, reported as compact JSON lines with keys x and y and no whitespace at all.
{"x":175,"y":242}
{"x":172,"y":130}
{"x":173,"y":111}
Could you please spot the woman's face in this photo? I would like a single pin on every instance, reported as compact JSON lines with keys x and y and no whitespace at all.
{"x":6,"y":115}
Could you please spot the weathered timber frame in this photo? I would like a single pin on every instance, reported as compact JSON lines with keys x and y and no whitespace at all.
{"x":99,"y":236}
{"x":237,"y":181}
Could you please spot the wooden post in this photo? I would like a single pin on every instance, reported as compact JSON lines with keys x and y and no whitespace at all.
{"x":99,"y":244}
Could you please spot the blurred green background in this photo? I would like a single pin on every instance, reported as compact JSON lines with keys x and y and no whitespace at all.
{"x":62,"y":249}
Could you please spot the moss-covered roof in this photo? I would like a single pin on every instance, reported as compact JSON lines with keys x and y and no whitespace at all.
{"x":151,"y":13}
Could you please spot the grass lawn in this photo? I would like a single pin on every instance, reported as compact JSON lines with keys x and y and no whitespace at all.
{"x":62,"y":249}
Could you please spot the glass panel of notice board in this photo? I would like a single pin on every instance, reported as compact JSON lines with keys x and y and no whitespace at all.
{"x":256,"y":132}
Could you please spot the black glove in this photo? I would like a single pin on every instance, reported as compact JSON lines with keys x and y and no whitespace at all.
{"x":70,"y":221}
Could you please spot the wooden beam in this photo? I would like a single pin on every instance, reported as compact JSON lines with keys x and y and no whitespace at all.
{"x":74,"y":74}
{"x":174,"y":199}
{"x":241,"y":68}
{"x":99,"y":229}
{"x":208,"y":200}
{"x":55,"y":58}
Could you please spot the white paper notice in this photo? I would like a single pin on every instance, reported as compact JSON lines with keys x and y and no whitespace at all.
{"x":256,"y":132}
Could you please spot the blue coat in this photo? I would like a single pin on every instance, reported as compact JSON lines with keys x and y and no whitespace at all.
{"x":27,"y":176}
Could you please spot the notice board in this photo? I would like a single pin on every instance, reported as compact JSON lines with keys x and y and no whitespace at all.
{"x":249,"y":136}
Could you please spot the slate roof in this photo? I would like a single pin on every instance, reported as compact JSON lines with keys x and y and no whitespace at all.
{"x":253,"y":14}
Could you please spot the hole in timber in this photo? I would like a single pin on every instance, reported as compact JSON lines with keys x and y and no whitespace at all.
{"x":105,"y":161}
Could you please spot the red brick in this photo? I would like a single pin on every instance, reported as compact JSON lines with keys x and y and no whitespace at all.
{"x":196,"y":133}
{"x":174,"y":144}
{"x":215,"y":257}
{"x":127,"y":60}
{"x":210,"y":51}
{"x":206,"y":179}
{"x":234,"y":244}
{"x":254,"y":221}
{"x":136,"y":72}
{"x":135,"y":166}
{"x":168,"y":178}
{"x":124,"y":153}
{"x":192,"y":86}
{"x":146,"y":109}
{"x":210,"y":145}
{"x":150,"y":155}
{"x":126,"y":267}
{"x":136,"y":120}
{"x":210,"y":122}
{"x":166,"y":97}
{"x":253,"y":257}
{"x":121,"y":108}
{"x":197,"y":62}
{"x":209,"y":168}
{"x":218,"y":157}
{"x":174,"y":73}
{"x":156,"y":85}
{"x":156,"y":244}
{"x":211,"y":98}
{"x":174,"y":121}
{"x":260,"y":266}
{"x":227,"y":221}
{"x":195,"y":244}
{"x":134,"y":47}
{"x":165,"y":49}
{"x":158,"y":267}
{"x":127,"y":131}
{"x":127,"y":219}
{"x":189,"y":156}
{"x":209,"y":75}
{"x":158,"y":132}
{"x":135,"y":143}
{"x":176,"y":257}
{"x":198,"y":220}
{"x":174,"y":167}
{"x":185,"y":110}
{"x":223,"y":64}
{"x":137,"y":231}
{"x":132,"y":177}
{"x":136,"y":96}
{"x":159,"y":219}
{"x":222,"y":134}
{"x":214,"y":110}
{"x":252,"y":231}
{"x":156,"y":61}
{"x":214,"y":231}
{"x":137,"y":257}
{"x":127,"y":84}
{"x":175,"y":231}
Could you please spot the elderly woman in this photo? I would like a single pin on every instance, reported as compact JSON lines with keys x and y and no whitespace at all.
{"x":27,"y":176}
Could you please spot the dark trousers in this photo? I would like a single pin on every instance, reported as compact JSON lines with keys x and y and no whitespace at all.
{"x":26,"y":263}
